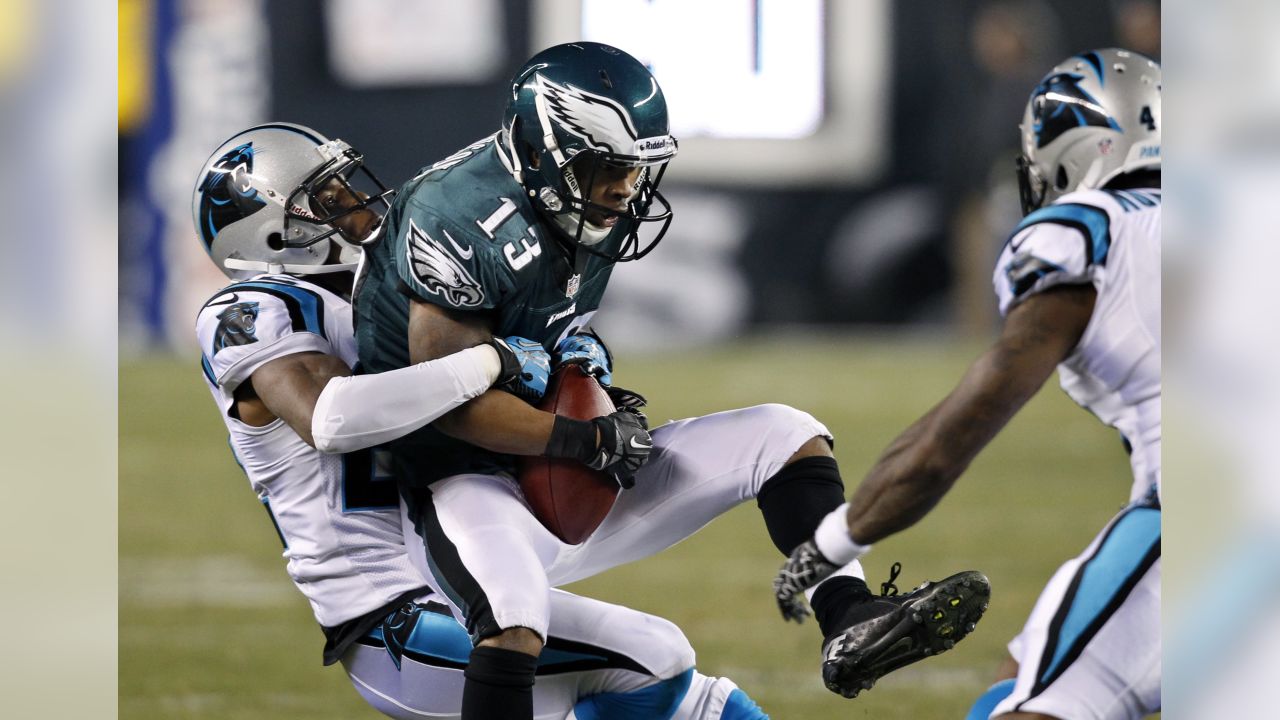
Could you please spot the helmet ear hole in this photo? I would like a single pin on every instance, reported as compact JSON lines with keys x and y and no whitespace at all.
{"x":275,"y":241}
{"x":1060,"y":180}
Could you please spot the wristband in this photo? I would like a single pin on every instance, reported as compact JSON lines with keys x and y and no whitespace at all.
{"x":833,"y":541}
{"x":575,"y":439}
{"x":492,"y":363}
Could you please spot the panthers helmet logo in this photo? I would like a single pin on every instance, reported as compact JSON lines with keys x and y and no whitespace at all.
{"x":225,"y":195}
{"x":236,"y":326}
{"x":439,"y":272}
{"x":1060,"y":104}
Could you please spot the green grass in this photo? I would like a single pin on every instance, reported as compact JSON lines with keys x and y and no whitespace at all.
{"x":210,"y":626}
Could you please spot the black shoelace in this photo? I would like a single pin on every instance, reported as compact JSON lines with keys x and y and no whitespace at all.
{"x":888,"y":589}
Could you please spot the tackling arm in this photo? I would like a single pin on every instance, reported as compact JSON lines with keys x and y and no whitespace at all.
{"x":922,"y":463}
{"x":315,"y":394}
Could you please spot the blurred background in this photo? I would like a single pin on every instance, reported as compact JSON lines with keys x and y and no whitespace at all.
{"x":841,"y":163}
{"x":844,"y":182}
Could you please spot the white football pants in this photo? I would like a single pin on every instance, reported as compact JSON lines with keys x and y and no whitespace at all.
{"x":593,"y":648}
{"x":1091,"y":648}
{"x":496,"y":564}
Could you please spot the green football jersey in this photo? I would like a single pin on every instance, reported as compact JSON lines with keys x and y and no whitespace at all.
{"x":462,"y":235}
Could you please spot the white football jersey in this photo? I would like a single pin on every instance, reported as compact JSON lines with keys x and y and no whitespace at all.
{"x":1111,"y":239}
{"x":337,"y":515}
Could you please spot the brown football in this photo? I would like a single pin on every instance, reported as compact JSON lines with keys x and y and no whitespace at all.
{"x":569,"y":498}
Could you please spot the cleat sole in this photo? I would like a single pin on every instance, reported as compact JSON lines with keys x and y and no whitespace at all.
{"x":947,"y":612}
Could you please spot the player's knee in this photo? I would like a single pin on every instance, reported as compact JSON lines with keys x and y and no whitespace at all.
{"x":817,"y":446}
{"x":676,"y":652}
{"x":777,"y":416}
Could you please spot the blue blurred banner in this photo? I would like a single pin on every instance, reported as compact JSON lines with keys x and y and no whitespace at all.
{"x":205,"y":75}
{"x":146,"y":123}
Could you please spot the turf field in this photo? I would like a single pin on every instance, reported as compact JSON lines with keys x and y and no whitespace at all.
{"x":211,"y":628}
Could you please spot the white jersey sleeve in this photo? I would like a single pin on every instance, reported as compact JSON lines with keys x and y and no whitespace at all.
{"x":248,"y":324}
{"x":1062,"y":244}
{"x":1057,"y":245}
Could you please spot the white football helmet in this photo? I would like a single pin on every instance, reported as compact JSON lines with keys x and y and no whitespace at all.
{"x":264,"y":202}
{"x":1093,"y":117}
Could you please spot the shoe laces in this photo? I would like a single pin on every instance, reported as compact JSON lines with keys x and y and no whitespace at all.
{"x":888,"y":589}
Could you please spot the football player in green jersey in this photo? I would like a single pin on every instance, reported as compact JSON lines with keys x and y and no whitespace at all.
{"x":517,"y":234}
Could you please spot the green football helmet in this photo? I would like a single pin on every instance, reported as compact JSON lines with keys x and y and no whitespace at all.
{"x":574,"y":110}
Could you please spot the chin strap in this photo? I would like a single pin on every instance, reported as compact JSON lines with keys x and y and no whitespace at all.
{"x":591,"y":236}
{"x":287,"y":268}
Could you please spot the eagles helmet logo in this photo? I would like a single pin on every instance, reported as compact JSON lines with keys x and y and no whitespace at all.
{"x":225,"y":196}
{"x":439,"y":272}
{"x":601,"y":122}
{"x":236,"y":326}
{"x":1061,"y":104}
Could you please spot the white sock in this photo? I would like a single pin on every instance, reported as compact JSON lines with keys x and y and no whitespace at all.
{"x":853,"y":569}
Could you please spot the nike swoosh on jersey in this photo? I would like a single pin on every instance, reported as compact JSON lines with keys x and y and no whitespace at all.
{"x":233,"y":298}
{"x":464,"y":254}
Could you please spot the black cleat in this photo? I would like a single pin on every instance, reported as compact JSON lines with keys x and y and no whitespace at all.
{"x":891,"y":631}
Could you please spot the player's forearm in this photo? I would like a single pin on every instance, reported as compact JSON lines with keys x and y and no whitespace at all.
{"x":500,"y":422}
{"x":920,"y":465}
{"x":904,"y":485}
{"x":366,"y":410}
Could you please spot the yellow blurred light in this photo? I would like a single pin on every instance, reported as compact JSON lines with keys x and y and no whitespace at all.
{"x":134,"y":63}
{"x":16,"y":31}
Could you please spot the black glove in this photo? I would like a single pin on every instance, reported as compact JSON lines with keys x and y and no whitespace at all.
{"x":629,"y":400}
{"x":623,"y":446}
{"x":805,"y":568}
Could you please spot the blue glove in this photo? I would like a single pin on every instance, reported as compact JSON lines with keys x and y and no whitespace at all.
{"x":526,"y":367}
{"x":589,"y":350}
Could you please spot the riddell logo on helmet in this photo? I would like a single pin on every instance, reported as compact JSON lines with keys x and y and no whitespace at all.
{"x":659,"y":144}
{"x":300,"y":211}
